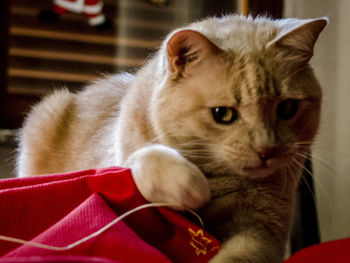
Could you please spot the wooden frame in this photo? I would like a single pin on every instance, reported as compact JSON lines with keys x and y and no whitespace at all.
{"x":12,"y":107}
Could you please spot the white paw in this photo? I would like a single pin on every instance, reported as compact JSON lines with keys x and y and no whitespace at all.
{"x":163,"y":175}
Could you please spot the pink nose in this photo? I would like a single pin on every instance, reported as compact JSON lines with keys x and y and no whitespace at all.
{"x":266,"y":153}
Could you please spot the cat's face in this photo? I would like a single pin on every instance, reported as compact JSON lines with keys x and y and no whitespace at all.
{"x":246,"y":113}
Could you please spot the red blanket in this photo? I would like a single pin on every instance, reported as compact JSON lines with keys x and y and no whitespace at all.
{"x":329,"y":252}
{"x":60,"y":209}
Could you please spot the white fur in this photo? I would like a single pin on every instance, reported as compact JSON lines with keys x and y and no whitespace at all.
{"x":154,"y":166}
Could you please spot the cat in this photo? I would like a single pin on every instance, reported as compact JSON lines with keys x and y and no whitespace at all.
{"x":219,"y":120}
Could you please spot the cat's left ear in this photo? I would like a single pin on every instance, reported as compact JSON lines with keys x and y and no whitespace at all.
{"x":186,"y":48}
{"x":299,"y":36}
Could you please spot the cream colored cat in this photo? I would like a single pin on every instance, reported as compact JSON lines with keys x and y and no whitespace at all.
{"x":220,"y":119}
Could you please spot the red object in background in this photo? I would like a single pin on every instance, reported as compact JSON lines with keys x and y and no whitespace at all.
{"x":90,"y":8}
{"x":60,"y":209}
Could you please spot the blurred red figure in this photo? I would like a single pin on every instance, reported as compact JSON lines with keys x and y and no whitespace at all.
{"x":90,"y":8}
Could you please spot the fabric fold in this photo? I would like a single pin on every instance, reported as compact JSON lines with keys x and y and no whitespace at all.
{"x":63,"y":208}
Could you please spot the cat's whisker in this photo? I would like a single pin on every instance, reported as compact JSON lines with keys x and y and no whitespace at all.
{"x":189,"y":140}
{"x":294,"y":171}
{"x":240,"y":151}
{"x":326,"y":165}
{"x":203,"y":150}
{"x":301,"y":149}
{"x":303,"y":179}
{"x":197,"y":153}
{"x":321,"y":187}
{"x":318,"y":148}
{"x":284,"y":175}
{"x":296,"y":174}
{"x":323,"y":164}
{"x":156,"y":139}
{"x":334,"y":152}
{"x":303,"y":143}
{"x":193,"y":157}
{"x":187,"y":143}
{"x":328,"y":168}
{"x":303,"y":155}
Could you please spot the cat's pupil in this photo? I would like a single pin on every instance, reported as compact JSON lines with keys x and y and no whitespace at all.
{"x":224,"y":115}
{"x":287,"y":109}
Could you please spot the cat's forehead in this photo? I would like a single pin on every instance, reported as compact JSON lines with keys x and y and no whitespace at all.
{"x":237,"y":33}
{"x":252,"y":79}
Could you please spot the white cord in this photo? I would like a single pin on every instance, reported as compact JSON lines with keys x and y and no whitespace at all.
{"x":98,"y":232}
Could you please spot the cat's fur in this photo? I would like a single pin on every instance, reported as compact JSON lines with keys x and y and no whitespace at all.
{"x":242,"y":175}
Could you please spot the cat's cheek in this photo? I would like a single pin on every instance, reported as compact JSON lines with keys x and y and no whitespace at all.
{"x":163,"y":175}
{"x":305,"y":128}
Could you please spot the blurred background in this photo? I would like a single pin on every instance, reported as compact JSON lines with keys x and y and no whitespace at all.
{"x":41,"y":53}
{"x":331,"y":154}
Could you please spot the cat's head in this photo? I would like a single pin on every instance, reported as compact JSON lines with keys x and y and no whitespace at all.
{"x":238,"y":94}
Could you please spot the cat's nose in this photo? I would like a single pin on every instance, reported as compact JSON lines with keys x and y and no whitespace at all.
{"x":266,"y":153}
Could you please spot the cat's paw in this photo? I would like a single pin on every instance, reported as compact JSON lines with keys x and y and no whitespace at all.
{"x":164,"y":175}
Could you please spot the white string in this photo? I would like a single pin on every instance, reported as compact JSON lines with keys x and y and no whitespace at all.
{"x":98,"y":232}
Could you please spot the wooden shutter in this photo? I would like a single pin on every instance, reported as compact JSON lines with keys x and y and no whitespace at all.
{"x":43,"y":56}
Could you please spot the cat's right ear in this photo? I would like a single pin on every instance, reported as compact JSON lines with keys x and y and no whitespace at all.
{"x":299,"y":36}
{"x":186,"y":48}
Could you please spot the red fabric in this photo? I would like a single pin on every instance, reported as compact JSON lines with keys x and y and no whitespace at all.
{"x":328,"y":252}
{"x":63,"y":208}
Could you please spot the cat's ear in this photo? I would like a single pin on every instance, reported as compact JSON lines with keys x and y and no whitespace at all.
{"x":299,"y":36}
{"x":187,"y":48}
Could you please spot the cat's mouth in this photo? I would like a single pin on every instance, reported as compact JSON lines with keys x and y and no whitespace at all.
{"x":262,"y":170}
{"x":255,"y":168}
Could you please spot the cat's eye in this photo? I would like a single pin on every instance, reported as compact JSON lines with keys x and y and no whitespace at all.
{"x":224,"y":115}
{"x":287,"y":109}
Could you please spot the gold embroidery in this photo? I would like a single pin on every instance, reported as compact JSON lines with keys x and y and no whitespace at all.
{"x":215,"y":248}
{"x":199,"y":241}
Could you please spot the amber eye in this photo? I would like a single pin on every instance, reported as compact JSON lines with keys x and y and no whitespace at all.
{"x":224,"y":115}
{"x":287,"y":109}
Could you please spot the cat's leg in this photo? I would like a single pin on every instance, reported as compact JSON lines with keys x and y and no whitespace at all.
{"x":249,"y":247}
{"x":163,"y":175}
